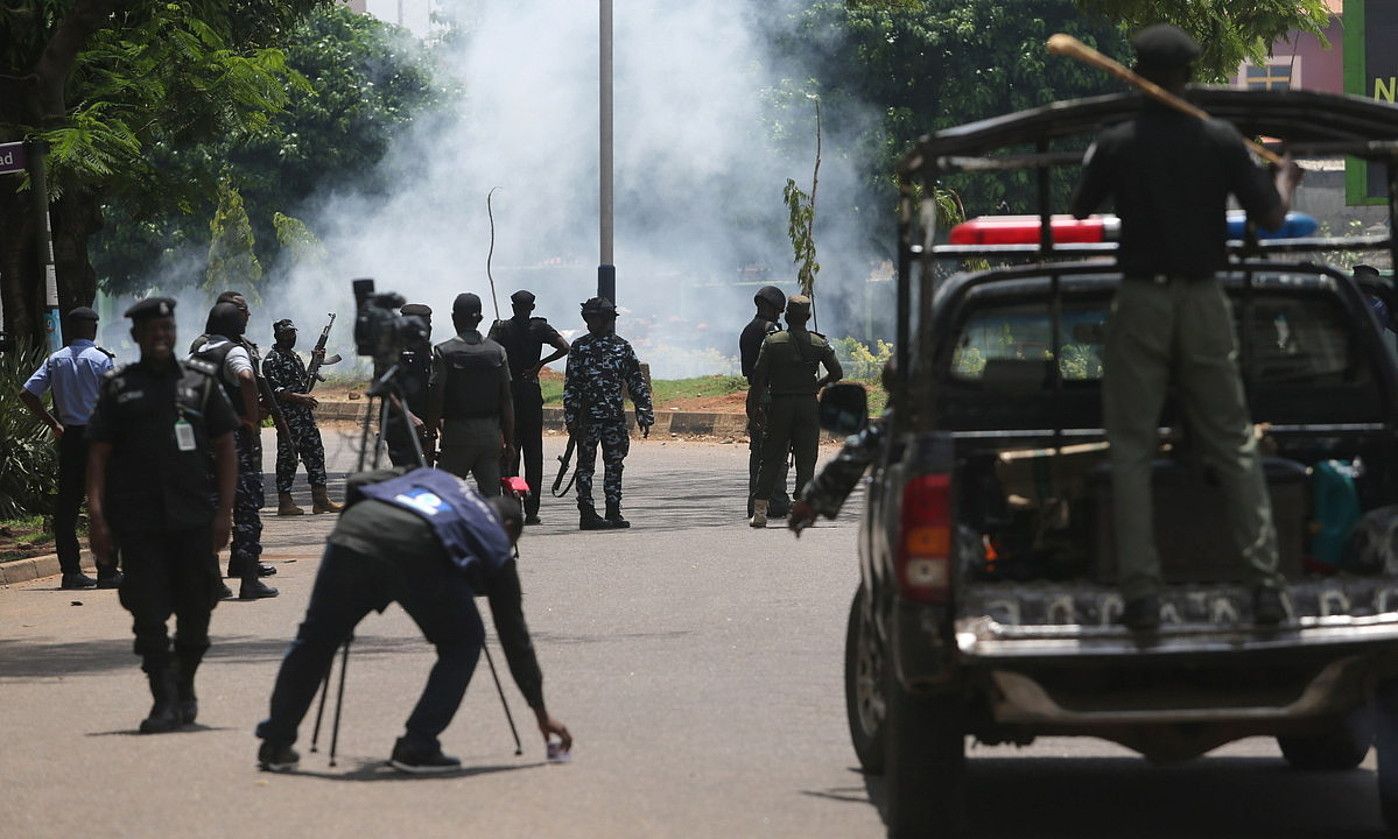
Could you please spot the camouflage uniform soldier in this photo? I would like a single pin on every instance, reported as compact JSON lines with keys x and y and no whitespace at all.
{"x":599,"y":364}
{"x":787,"y":367}
{"x":286,"y":373}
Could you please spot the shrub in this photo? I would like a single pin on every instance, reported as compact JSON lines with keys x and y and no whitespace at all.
{"x":28,"y":458}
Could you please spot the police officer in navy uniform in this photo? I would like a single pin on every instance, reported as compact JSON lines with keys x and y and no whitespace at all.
{"x":770,"y":305}
{"x":74,"y":376}
{"x":431,"y":543}
{"x":524,"y":339}
{"x":414,"y":377}
{"x":469,"y":400}
{"x":160,"y":477}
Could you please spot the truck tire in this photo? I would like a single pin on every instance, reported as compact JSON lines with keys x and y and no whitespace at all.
{"x":1344,"y":747}
{"x":925,"y":763}
{"x":1386,"y":747}
{"x":864,"y":686}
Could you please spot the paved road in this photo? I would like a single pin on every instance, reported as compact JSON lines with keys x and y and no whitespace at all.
{"x":696,"y":661}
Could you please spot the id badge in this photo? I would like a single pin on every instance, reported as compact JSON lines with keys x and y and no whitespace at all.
{"x":184,"y":435}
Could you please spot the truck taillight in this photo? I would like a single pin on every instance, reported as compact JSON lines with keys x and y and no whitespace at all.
{"x":924,"y":558}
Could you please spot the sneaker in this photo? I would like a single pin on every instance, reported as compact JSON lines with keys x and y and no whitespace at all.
{"x":277,"y":757}
{"x":1141,"y":614}
{"x":77,"y":581}
{"x":420,"y":761}
{"x":1268,"y":606}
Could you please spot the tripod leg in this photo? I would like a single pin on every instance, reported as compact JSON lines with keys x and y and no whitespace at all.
{"x":519,"y":750}
{"x":339,"y":701}
{"x":320,"y":712}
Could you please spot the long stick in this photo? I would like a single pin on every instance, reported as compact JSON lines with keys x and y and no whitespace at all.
{"x":519,"y":750}
{"x":490,"y":212}
{"x":1062,"y":44}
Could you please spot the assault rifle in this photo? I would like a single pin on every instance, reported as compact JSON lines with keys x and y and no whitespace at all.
{"x":264,"y":389}
{"x":318,"y":359}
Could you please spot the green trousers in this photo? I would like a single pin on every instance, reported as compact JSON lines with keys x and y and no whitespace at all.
{"x":793,"y":425}
{"x":1180,"y":329}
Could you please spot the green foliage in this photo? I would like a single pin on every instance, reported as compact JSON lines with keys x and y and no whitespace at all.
{"x":233,"y":263}
{"x":1230,"y":32}
{"x":800,"y":228}
{"x":28,"y":458}
{"x":861,"y":361}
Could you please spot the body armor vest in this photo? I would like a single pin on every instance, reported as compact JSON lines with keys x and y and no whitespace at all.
{"x":472,"y":388}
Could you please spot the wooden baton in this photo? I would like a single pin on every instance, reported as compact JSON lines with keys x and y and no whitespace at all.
{"x":1063,"y":44}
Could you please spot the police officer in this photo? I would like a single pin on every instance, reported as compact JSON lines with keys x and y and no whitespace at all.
{"x":414,"y":376}
{"x":599,"y":365}
{"x":160,"y":480}
{"x":524,"y":338}
{"x":785,"y":374}
{"x":770,"y":305}
{"x":469,"y":400}
{"x":290,"y":382}
{"x":429,"y":542}
{"x":1171,"y":176}
{"x":233,"y":366}
{"x":74,"y":376}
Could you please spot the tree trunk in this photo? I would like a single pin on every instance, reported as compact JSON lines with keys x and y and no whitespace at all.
{"x":19,"y":265}
{"x":75,"y":216}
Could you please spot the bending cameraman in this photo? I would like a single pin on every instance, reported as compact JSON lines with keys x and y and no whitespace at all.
{"x":429,"y":542}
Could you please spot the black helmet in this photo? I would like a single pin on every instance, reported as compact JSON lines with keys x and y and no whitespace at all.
{"x":599,"y":306}
{"x":770,"y":294}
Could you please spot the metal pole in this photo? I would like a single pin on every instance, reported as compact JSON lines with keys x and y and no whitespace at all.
{"x":606,"y":270}
{"x":38,"y":188}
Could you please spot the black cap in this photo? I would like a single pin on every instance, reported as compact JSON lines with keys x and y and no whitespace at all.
{"x":421,"y":310}
{"x":151,"y":307}
{"x":1365,"y":271}
{"x":1163,"y":45}
{"x":284,"y":323}
{"x":522,"y":298}
{"x":81,"y":313}
{"x":599,"y":306}
{"x":770,"y":294}
{"x":466,"y":304}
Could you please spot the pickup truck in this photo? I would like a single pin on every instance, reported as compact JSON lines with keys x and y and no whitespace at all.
{"x":987,"y":598}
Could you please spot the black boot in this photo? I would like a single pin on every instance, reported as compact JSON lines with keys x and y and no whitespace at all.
{"x":254,"y":589}
{"x":589,"y":520}
{"x":614,"y":516}
{"x":164,"y":714}
{"x":184,"y":689}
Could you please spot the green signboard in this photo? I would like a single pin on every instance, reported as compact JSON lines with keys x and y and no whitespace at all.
{"x":1371,"y":69}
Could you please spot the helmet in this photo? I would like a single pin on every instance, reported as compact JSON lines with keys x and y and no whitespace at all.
{"x":599,"y":306}
{"x":770,"y":294}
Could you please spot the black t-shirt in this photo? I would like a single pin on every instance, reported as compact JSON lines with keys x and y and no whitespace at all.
{"x":152,"y":484}
{"x":750,"y":343}
{"x":523,"y":341}
{"x":1171,"y":175}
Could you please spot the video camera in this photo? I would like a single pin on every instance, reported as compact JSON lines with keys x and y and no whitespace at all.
{"x":379,"y":331}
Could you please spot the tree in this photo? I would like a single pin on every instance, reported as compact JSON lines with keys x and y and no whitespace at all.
{"x":107,"y":83}
{"x":233,"y":264}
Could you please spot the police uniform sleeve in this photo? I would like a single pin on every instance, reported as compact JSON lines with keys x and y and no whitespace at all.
{"x":640,"y":392}
{"x":275,"y":373}
{"x":38,"y":383}
{"x":543,"y":332}
{"x":1098,"y":173}
{"x":1251,"y":184}
{"x":832,"y":363}
{"x":219,"y":416}
{"x":504,"y":363}
{"x":827,"y":492}
{"x":570,"y":388}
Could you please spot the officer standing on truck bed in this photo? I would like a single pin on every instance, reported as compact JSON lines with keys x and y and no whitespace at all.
{"x":1170,"y":175}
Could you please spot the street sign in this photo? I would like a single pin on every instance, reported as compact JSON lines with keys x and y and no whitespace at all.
{"x":12,"y":158}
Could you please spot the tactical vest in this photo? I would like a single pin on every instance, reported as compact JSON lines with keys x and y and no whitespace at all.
{"x":463,"y":523}
{"x":215,"y":351}
{"x":795,"y":363}
{"x":472,"y":387}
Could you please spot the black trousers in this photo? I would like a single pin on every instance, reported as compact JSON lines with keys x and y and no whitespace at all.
{"x":72,"y":490}
{"x":529,"y":439}
{"x":169,"y":572}
{"x":348,"y":586}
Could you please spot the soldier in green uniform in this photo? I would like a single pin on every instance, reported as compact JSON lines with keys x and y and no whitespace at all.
{"x":786,"y":370}
{"x":1170,"y":175}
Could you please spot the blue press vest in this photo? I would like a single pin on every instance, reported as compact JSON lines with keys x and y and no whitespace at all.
{"x":465,"y":525}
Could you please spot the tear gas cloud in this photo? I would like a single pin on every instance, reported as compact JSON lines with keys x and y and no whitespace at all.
{"x":699,"y":172}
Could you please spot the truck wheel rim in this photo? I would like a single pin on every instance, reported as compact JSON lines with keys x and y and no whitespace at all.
{"x":868,"y":684}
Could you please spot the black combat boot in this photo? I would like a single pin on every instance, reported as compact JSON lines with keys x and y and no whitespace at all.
{"x":184,"y":688}
{"x":254,"y":589}
{"x":164,"y":714}
{"x":614,"y":516}
{"x":589,"y":520}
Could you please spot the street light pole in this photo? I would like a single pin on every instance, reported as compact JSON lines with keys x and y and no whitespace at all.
{"x":606,"y":270}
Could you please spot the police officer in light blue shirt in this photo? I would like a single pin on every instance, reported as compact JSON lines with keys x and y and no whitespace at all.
{"x":74,"y":377}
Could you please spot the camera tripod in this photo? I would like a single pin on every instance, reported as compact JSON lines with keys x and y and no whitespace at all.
{"x":388,"y":393}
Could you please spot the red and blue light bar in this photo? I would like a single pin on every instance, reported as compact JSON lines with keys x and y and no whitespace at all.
{"x":1024,"y":230}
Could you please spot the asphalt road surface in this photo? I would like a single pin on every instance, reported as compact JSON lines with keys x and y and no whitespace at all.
{"x":697,"y":662}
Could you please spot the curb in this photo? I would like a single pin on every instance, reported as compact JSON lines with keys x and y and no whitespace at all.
{"x":37,"y":567}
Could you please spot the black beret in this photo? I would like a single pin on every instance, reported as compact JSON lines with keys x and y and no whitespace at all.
{"x":421,"y":310}
{"x":151,"y":307}
{"x":81,"y":313}
{"x":466,"y":304}
{"x":598,"y":306}
{"x":522,"y":298}
{"x":1163,"y":45}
